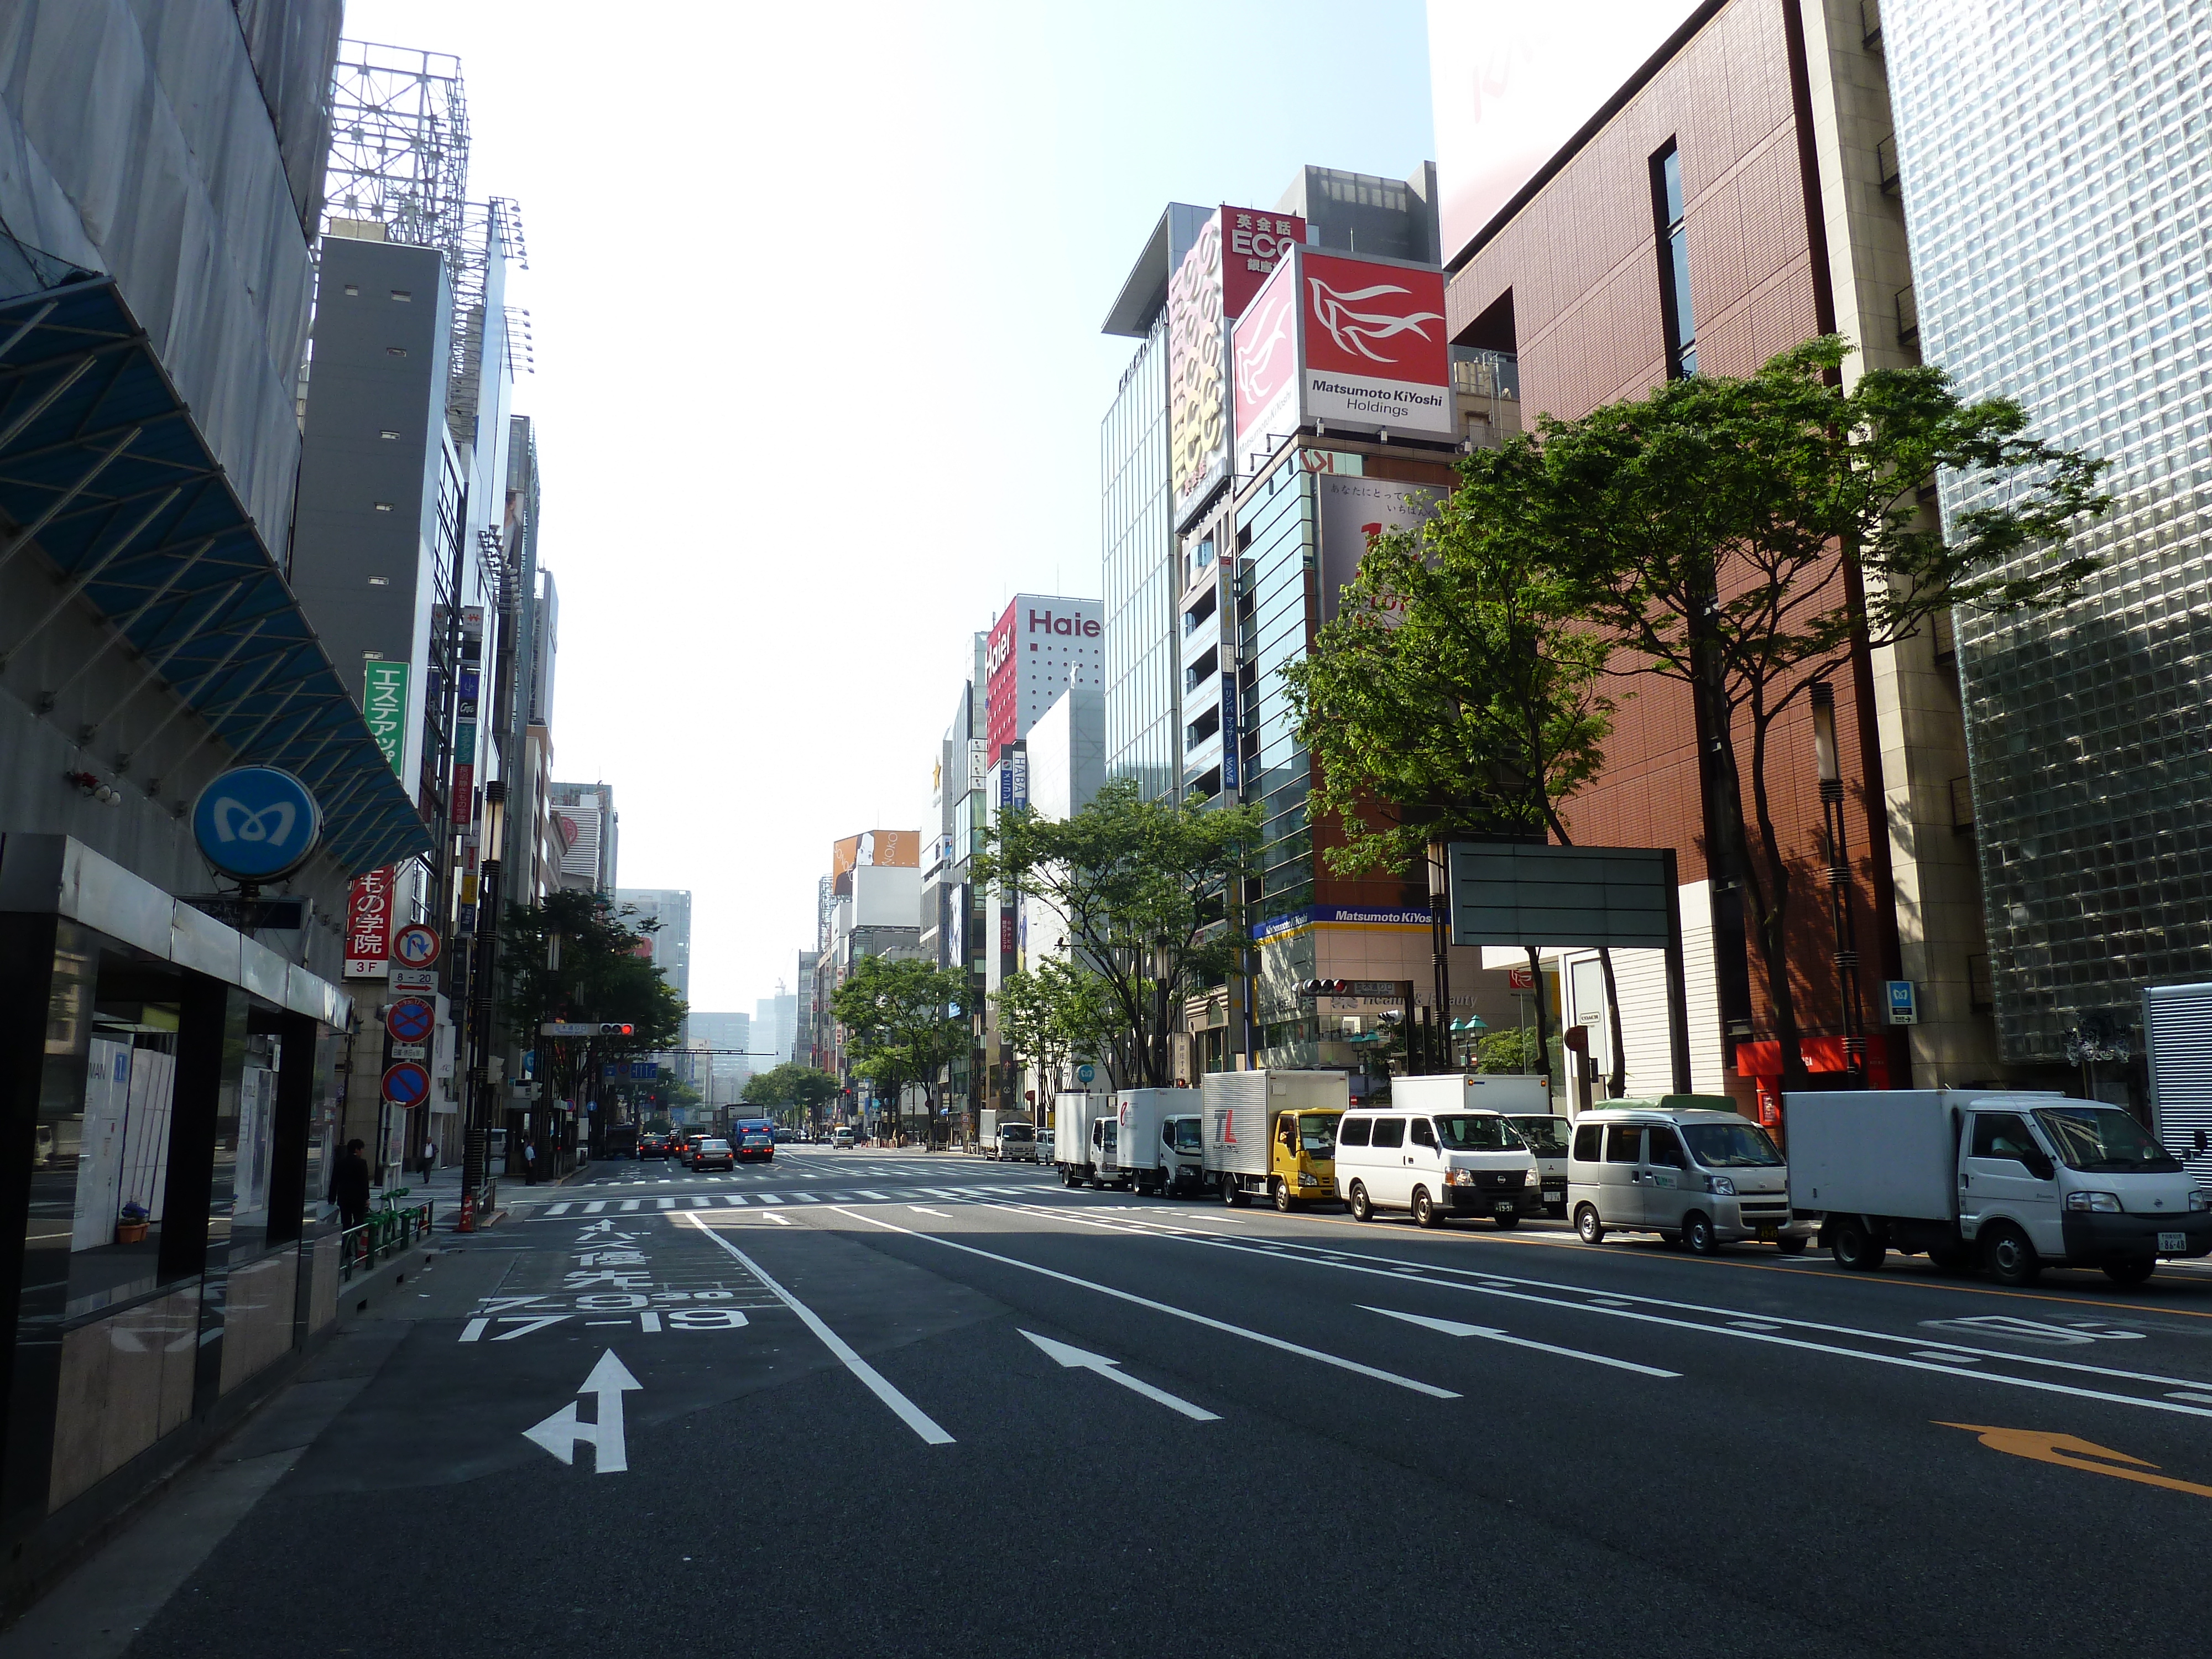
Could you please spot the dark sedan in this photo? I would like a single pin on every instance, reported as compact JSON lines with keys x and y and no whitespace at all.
{"x":713,"y":1154}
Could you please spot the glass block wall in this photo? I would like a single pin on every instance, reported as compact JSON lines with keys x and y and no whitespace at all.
{"x":2057,"y":167}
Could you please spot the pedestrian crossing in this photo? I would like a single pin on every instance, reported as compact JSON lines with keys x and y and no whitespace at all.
{"x":758,"y":1199}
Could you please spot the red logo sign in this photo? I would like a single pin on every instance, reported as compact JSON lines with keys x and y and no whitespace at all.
{"x":369,"y":924}
{"x":1265,"y":359}
{"x":1253,"y":243}
{"x":1520,"y":979}
{"x":1382,"y":321}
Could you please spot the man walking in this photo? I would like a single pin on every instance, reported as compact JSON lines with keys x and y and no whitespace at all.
{"x":350,"y":1186}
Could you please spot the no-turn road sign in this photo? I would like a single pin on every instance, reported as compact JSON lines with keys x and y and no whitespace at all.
{"x":416,"y":946}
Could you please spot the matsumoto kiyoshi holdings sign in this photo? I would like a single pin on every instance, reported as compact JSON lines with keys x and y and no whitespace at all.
{"x":1351,"y":343}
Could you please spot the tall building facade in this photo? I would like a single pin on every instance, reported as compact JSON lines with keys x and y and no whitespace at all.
{"x":672,"y":942}
{"x":2052,"y":162}
{"x":587,"y":831}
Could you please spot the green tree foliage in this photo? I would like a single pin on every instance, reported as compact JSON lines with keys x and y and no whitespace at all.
{"x":904,"y":1021}
{"x":1745,"y":536}
{"x":1146,"y":891}
{"x":1508,"y":1052}
{"x":798,"y":1090}
{"x":1458,"y":692}
{"x":1054,"y":1013}
{"x":574,"y":959}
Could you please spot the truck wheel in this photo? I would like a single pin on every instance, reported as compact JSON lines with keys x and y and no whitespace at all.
{"x":1424,"y":1208}
{"x":1698,"y":1233}
{"x":1069,"y":1178}
{"x":1360,"y":1208}
{"x":1282,"y":1195}
{"x":1854,"y":1246}
{"x":1588,"y":1227}
{"x":2010,"y":1258}
{"x":2131,"y":1273}
{"x":1231,"y":1193}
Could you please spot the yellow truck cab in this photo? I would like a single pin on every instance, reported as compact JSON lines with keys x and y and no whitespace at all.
{"x":1274,"y":1133}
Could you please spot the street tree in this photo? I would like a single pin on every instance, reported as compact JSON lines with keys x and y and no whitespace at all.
{"x":904,"y":1020}
{"x":1457,"y":693}
{"x":1746,"y":537}
{"x":1147,"y":892}
{"x":790,"y":1085}
{"x":1052,"y":1014}
{"x":574,"y":959}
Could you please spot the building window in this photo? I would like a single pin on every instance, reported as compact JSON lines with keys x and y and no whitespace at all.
{"x":1680,"y":317}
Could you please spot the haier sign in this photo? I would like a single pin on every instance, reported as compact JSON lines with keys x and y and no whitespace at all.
{"x":1357,"y":344}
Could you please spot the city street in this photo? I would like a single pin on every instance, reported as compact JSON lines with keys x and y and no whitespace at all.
{"x":859,"y":1402}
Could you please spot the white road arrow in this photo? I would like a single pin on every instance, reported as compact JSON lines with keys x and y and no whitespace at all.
{"x":1453,"y":1327}
{"x":1078,"y":1359}
{"x":560,"y":1434}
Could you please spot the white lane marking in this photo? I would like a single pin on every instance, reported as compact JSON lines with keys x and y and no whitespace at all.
{"x":1491,"y":1333}
{"x":1080,"y":1359}
{"x":595,"y":1206}
{"x":649,"y":1322}
{"x":770,"y":1198}
{"x":563,"y":1432}
{"x":1953,"y":1359}
{"x":883,"y":1197}
{"x":909,"y":1414}
{"x":1262,"y":1337}
{"x":805,"y":1198}
{"x":941,"y":1192}
{"x":2199,"y":1399}
{"x":562,"y":1208}
{"x":921,"y":1210}
{"x":664,"y":1202}
{"x":473,"y":1329}
{"x":777,"y":1217}
{"x":1389,"y":1270}
{"x":629,"y":1204}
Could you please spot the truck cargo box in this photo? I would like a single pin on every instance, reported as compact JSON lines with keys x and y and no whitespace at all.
{"x":1874,"y":1152}
{"x":1239,"y":1107}
{"x":1072,"y":1114}
{"x":2178,"y":1041}
{"x":1137,"y":1113}
{"x":1452,"y":1091}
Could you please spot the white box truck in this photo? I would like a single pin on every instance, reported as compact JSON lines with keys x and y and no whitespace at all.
{"x":1006,"y":1135}
{"x":1273,"y":1134}
{"x":1158,"y":1147}
{"x":1074,"y":1116}
{"x":2014,"y":1182}
{"x":1523,"y":1101}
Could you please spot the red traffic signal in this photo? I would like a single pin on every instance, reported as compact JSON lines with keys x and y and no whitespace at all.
{"x":1325,"y":988}
{"x":617,"y":1030}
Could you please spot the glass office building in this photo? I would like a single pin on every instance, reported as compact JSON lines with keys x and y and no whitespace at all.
{"x":1140,"y":575}
{"x":2058,"y":178}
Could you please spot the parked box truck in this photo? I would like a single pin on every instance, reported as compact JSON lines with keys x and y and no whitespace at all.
{"x":2177,"y":1038}
{"x":2014,"y":1182}
{"x":1006,"y":1134}
{"x":1274,"y":1133}
{"x":1074,"y":1114}
{"x":1158,"y":1147}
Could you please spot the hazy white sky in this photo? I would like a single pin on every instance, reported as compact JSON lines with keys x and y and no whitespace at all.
{"x":816,"y":291}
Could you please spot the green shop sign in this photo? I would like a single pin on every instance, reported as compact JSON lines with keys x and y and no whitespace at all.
{"x":386,"y":706}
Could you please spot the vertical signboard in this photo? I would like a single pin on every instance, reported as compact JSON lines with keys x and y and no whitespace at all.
{"x":1230,"y":745}
{"x":1373,"y":350}
{"x":1237,"y":251}
{"x":368,"y":925}
{"x":385,"y":707}
{"x":1353,"y":510}
{"x":1264,"y":363}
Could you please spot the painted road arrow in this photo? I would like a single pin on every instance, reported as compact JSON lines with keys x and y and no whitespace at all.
{"x":1078,"y":1359}
{"x":2070,"y":1452}
{"x":560,"y":1432}
{"x":1491,"y":1333}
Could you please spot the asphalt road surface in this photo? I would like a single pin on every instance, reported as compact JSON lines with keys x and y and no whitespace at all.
{"x":857,"y":1404}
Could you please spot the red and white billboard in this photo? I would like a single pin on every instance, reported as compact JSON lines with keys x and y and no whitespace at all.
{"x":368,"y":925}
{"x":1043,"y":645}
{"x":1237,"y":251}
{"x":1350,"y":343}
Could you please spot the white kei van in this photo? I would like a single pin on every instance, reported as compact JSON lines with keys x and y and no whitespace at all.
{"x":1690,"y":1168}
{"x":1434,"y":1164}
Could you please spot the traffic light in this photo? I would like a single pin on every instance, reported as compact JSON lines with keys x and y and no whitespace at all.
{"x":608,"y":1030}
{"x":1325,"y":988}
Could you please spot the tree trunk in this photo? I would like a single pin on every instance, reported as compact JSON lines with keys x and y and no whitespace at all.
{"x":1774,"y":917}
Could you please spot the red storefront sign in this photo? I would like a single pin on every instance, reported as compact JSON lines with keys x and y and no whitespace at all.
{"x":368,"y":925}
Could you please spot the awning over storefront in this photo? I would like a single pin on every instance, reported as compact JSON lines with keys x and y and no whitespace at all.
{"x":103,"y":470}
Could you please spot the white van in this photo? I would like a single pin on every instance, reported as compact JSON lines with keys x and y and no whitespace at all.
{"x":1690,"y":1168}
{"x":1434,"y":1164}
{"x":1545,"y":1136}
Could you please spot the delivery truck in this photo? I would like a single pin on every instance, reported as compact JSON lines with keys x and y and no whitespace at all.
{"x":2012,"y":1182}
{"x":1006,"y":1135}
{"x":1074,"y":1114}
{"x":1273,"y":1134}
{"x":1157,"y":1145}
{"x":2177,"y":1043}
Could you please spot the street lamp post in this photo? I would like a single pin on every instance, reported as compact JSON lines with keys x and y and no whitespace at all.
{"x":1839,"y":875}
{"x":1440,"y":940}
{"x":475,"y":1129}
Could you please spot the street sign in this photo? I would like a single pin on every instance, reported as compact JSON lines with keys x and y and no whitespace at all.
{"x":1904,"y":1002}
{"x":416,"y":946}
{"x":556,"y":1028}
{"x":412,"y":981}
{"x":1085,"y":1073}
{"x":406,"y":1084}
{"x":255,"y":822}
{"x":1520,"y":979}
{"x":410,"y":1021}
{"x":407,"y":1051}
{"x":645,"y":1068}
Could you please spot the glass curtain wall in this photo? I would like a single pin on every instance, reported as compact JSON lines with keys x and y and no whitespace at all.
{"x":1140,"y":577}
{"x":1278,"y":564}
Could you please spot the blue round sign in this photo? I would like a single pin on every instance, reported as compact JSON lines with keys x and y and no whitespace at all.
{"x":257,"y":823}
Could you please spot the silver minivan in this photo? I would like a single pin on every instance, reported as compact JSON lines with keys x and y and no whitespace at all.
{"x":1688,"y":1167}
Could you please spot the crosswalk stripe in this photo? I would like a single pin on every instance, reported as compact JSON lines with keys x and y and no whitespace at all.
{"x":631,"y":1203}
{"x":699,"y":1203}
{"x":941,"y":1192}
{"x":864,"y":1193}
{"x":559,"y":1209}
{"x":664,"y":1202}
{"x":595,"y":1206}
{"x":805,"y":1198}
{"x":770,"y":1198}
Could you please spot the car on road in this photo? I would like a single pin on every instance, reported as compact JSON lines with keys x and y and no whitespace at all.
{"x":783,"y":1136}
{"x":754,"y":1139}
{"x":688,"y":1149}
{"x":1434,"y":1164}
{"x":713,"y":1154}
{"x":1690,"y":1168}
{"x":841,"y":1136}
{"x":1044,"y":1146}
{"x":1545,"y":1136}
{"x":652,"y":1147}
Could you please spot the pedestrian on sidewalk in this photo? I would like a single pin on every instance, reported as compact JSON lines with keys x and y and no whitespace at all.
{"x":530,"y":1163}
{"x":350,"y":1186}
{"x":429,"y":1158}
